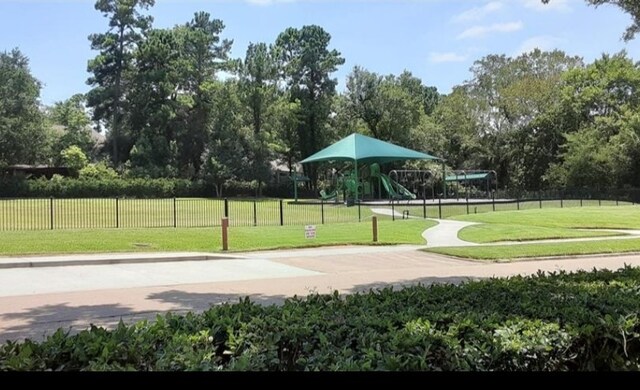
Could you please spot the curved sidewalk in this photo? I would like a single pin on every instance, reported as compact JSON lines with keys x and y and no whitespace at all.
{"x":445,"y":233}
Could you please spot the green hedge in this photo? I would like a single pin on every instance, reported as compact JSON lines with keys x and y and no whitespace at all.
{"x":130,"y":187}
{"x":93,"y":188}
{"x":583,"y":321}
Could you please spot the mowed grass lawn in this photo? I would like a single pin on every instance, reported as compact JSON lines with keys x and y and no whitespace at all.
{"x":206,"y":239}
{"x":537,"y":224}
{"x":487,"y":233}
{"x":543,"y":224}
{"x":519,"y":251}
{"x":43,"y":214}
{"x":605,"y":217}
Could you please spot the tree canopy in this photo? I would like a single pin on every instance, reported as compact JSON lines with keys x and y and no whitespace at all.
{"x":173,"y":103}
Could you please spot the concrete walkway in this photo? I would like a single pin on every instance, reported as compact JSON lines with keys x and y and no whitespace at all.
{"x":446,"y":233}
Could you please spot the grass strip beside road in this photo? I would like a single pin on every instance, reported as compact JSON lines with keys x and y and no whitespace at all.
{"x":487,"y":233}
{"x":519,"y":251}
{"x":206,"y":239}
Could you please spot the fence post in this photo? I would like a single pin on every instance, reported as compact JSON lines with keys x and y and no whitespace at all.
{"x":359,"y":215}
{"x":281,"y":214}
{"x":51,"y":211}
{"x":599,"y":201}
{"x":518,"y":203}
{"x":439,"y":207}
{"x":580,"y":200}
{"x":226,"y":208}
{"x":322,"y":210}
{"x":117,"y":212}
{"x":424,"y":207}
{"x":393,"y":211}
{"x":540,"y":198}
{"x":255,"y":213}
{"x":374,"y":225}
{"x":617,"y":202}
{"x":561,"y":201}
{"x":225,"y":234}
{"x":468,"y":205}
{"x":493,"y":200}
{"x":175,"y":213}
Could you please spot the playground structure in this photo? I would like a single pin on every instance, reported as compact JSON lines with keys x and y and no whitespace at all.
{"x":371,"y":184}
{"x":421,"y":182}
{"x":366,"y":181}
{"x":475,"y":182}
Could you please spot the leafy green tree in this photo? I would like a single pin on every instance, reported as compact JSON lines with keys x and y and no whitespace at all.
{"x":72,"y":115}
{"x":225,"y":158}
{"x":155,"y":104}
{"x":286,"y":119}
{"x":343,"y":120}
{"x":391,"y":107}
{"x":451,"y":132}
{"x":258,"y":92}
{"x":202,"y":55}
{"x":601,"y":103}
{"x":306,"y":64}
{"x":98,"y":171}
{"x":23,"y":137}
{"x":511,"y":99}
{"x":111,"y":69}
{"x":74,"y":158}
{"x":363,"y":98}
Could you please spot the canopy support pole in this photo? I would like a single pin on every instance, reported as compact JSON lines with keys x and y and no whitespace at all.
{"x":444,"y":180}
{"x":356,"y":199}
{"x":295,"y":184}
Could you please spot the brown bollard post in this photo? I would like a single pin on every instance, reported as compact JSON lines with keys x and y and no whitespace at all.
{"x":225,"y":235}
{"x":374,"y":223}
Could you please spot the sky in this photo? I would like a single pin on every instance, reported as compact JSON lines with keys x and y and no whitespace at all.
{"x":437,"y":40}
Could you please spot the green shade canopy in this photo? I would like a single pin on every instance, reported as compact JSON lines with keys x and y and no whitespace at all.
{"x":360,"y":148}
{"x":471,"y":176}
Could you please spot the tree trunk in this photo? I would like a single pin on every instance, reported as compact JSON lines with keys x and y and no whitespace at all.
{"x":115,"y":123}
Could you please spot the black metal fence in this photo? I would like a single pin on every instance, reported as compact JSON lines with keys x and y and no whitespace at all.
{"x":92,"y":213}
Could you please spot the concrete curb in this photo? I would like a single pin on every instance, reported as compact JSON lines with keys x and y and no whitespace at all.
{"x":109,"y":259}
{"x":532,"y":259}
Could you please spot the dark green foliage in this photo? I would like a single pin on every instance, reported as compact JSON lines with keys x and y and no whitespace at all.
{"x":112,"y":68}
{"x":306,"y":65}
{"x":557,"y":322}
{"x":23,"y":138}
{"x":92,"y":187}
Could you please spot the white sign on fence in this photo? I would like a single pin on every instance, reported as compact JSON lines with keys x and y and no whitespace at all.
{"x":310,"y":231}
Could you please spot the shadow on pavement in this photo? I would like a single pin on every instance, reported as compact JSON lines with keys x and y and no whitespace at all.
{"x":412,"y":282}
{"x":38,"y":322}
{"x":189,"y":301}
{"x":42,"y":320}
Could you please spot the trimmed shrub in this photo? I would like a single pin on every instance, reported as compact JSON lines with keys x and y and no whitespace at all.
{"x":95,"y":182}
{"x":556,"y":322}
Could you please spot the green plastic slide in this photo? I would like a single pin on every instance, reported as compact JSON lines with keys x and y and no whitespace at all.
{"x":328,"y":196}
{"x":402,"y":192}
